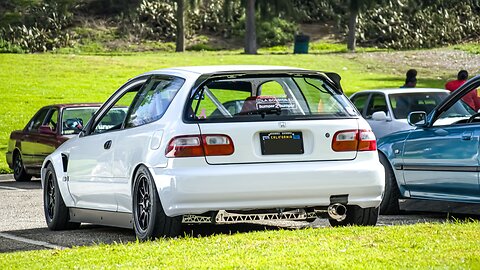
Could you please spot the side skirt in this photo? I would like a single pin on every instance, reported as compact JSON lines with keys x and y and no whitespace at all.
{"x":439,"y":206}
{"x":107,"y":218}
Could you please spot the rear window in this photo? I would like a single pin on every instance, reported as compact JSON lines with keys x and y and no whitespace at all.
{"x":257,"y":98}
{"x":404,"y":103}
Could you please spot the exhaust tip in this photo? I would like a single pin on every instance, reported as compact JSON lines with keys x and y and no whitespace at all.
{"x":337,"y":211}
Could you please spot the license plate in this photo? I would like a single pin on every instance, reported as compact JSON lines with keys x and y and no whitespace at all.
{"x":281,"y":143}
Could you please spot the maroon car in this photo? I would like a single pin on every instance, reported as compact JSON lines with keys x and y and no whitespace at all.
{"x":49,"y":128}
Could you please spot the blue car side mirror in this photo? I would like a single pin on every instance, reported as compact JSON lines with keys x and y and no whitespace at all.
{"x":417,"y":119}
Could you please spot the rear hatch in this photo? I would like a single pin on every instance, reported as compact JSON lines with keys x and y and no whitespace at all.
{"x":272,"y":117}
{"x":281,"y":141}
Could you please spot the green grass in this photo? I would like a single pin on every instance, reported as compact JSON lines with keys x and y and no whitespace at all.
{"x":473,"y":47}
{"x":30,"y":81}
{"x":421,"y":246}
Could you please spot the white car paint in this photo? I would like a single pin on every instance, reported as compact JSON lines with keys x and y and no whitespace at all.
{"x":385,"y":123}
{"x":102,"y":179}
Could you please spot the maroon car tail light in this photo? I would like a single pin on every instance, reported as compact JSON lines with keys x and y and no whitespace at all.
{"x":200,"y":145}
{"x":354,"y":140}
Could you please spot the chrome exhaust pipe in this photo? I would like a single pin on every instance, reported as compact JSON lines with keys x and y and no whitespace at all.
{"x":337,"y":211}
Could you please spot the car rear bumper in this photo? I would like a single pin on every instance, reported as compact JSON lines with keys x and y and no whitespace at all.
{"x":196,"y":190}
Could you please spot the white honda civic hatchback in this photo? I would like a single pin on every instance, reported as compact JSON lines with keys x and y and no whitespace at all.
{"x":217,"y":144}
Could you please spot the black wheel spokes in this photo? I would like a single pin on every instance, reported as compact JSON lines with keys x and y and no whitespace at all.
{"x":143,"y":202}
{"x":50,"y":189}
{"x":17,"y":169}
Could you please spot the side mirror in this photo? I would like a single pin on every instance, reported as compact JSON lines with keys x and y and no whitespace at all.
{"x":379,"y":116}
{"x":45,"y":129}
{"x":417,"y":119}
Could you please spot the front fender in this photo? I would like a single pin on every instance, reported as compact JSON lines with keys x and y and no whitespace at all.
{"x":56,"y":160}
{"x":392,"y":146}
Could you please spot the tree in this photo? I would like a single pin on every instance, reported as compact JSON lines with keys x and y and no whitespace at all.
{"x":180,"y":39}
{"x":354,"y":7}
{"x":267,"y":8}
{"x":250,"y":28}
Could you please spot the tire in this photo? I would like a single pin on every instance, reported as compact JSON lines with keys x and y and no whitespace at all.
{"x":56,"y":213}
{"x":150,"y":220}
{"x":389,"y":205}
{"x":357,"y":216}
{"x":19,"y":172}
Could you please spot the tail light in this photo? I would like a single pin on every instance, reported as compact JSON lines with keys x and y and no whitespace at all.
{"x":200,"y":145}
{"x":354,"y":140}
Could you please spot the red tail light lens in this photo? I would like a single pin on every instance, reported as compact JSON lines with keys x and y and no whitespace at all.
{"x":217,"y":145}
{"x":367,"y":141}
{"x":354,"y":140}
{"x":200,"y":145}
{"x":185,"y":146}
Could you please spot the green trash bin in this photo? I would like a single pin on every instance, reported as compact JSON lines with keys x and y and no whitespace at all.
{"x":301,"y":44}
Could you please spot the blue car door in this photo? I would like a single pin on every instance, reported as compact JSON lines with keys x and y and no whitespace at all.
{"x":441,"y":162}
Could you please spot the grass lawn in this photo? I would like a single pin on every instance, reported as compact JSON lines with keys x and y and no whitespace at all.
{"x":420,"y":246}
{"x":30,"y":81}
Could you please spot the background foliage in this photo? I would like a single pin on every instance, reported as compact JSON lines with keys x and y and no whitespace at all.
{"x":44,"y":25}
{"x":407,"y":24}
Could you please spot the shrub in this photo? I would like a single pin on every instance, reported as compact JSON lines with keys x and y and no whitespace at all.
{"x":276,"y":32}
{"x":406,"y":24}
{"x":44,"y":29}
{"x":270,"y":33}
{"x":7,"y":47}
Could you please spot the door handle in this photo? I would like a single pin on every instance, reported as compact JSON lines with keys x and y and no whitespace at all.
{"x":467,"y":136}
{"x":107,"y":144}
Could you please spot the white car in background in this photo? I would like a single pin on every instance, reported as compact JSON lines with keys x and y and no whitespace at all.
{"x":386,"y":110}
{"x":218,"y":144}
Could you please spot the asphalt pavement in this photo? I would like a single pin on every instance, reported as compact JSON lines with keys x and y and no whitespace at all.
{"x":23,"y":227}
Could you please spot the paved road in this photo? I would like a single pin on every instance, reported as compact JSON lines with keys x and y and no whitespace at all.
{"x":22,"y":224}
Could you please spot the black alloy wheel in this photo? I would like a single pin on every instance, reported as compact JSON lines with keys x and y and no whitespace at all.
{"x":144,"y":209}
{"x":19,"y":172}
{"x":149,"y":218}
{"x":49,"y":195}
{"x":56,"y":213}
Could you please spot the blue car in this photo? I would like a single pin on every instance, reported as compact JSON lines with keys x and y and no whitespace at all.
{"x":435,"y":166}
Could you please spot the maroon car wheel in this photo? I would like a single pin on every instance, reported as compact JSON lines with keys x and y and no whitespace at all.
{"x":19,"y":172}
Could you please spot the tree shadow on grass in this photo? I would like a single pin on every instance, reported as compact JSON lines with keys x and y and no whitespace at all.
{"x":203,"y":230}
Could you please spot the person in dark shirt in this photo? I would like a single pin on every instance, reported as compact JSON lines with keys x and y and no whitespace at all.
{"x":410,"y":79}
{"x":471,"y":98}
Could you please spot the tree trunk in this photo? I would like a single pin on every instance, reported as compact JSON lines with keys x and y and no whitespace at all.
{"x":251,"y":35}
{"x":352,"y":27}
{"x":180,"y":41}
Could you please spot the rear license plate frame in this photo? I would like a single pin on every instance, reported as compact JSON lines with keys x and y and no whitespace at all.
{"x":282,"y":143}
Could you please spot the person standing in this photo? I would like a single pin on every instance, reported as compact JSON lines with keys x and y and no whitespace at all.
{"x":410,"y":79}
{"x":471,"y":98}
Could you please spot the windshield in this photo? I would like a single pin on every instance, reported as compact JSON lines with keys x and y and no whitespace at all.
{"x":257,"y":98}
{"x":459,"y":109}
{"x":405,"y":103}
{"x":74,"y":119}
